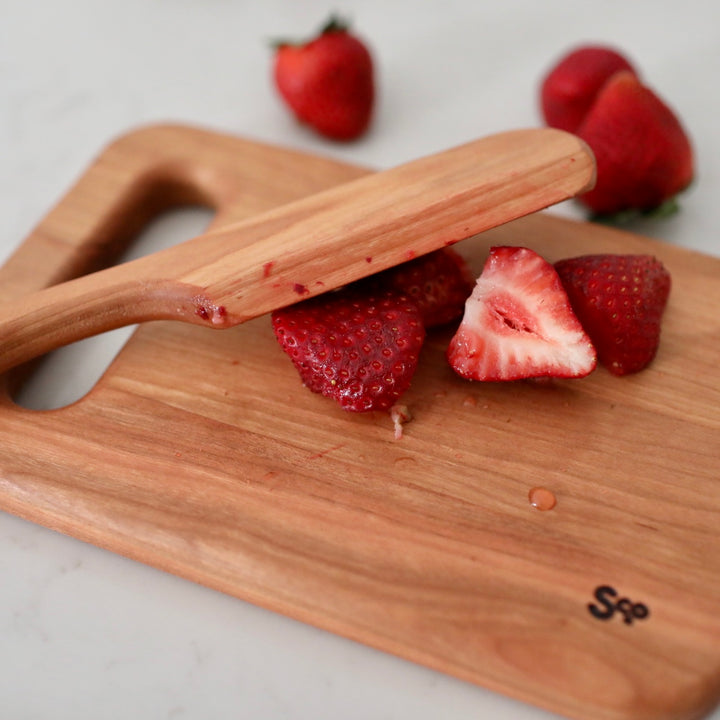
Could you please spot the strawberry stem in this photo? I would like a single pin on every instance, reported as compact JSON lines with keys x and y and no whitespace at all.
{"x":334,"y":23}
{"x":668,"y":208}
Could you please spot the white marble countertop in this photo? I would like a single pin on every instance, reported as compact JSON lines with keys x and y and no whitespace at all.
{"x":87,"y":634}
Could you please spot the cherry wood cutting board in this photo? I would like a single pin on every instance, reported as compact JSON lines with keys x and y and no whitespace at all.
{"x":200,"y":453}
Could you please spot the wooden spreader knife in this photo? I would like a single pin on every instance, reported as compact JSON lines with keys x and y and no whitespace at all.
{"x":310,"y":246}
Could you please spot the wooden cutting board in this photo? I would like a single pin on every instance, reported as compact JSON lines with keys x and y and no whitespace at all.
{"x":200,"y":453}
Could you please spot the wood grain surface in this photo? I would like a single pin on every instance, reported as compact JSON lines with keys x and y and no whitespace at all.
{"x":201,"y":454}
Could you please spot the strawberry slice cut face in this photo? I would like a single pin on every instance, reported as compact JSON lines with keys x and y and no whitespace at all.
{"x":518,"y":323}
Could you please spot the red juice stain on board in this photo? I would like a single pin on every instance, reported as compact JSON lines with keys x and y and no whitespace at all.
{"x":300,"y":289}
{"x":542,"y":499}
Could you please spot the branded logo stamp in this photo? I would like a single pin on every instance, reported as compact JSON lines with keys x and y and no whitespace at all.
{"x":607,"y":605}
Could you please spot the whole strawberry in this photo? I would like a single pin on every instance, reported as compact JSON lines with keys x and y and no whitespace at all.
{"x":620,"y":300}
{"x":438,"y":282}
{"x":518,"y":323}
{"x":568,"y":91}
{"x":643,"y":154}
{"x":328,"y":81}
{"x":358,"y":348}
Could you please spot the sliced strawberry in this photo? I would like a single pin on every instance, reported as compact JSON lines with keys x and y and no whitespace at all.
{"x":439,"y":283}
{"x":357,"y":348}
{"x":518,"y":323}
{"x":620,"y":300}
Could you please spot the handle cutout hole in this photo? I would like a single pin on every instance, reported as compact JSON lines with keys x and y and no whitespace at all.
{"x":69,"y":373}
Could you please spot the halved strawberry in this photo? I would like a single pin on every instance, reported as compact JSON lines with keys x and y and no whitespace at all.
{"x":360,"y":349}
{"x":518,"y":323}
{"x":439,"y":283}
{"x":620,"y":300}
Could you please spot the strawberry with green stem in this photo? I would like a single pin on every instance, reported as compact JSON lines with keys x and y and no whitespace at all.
{"x":643,"y":153}
{"x":328,"y":81}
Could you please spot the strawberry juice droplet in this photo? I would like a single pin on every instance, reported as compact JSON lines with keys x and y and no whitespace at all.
{"x":542,"y":499}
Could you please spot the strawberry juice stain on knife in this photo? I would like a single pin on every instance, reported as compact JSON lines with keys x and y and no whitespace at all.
{"x":216,"y":314}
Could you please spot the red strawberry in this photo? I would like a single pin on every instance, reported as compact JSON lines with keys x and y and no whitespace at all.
{"x":569,"y":89}
{"x":643,"y":154}
{"x":359,"y":349}
{"x":518,"y":323}
{"x":620,"y":300}
{"x":328,"y":81}
{"x":439,"y":283}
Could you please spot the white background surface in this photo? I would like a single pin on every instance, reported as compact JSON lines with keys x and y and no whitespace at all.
{"x":86,"y":634}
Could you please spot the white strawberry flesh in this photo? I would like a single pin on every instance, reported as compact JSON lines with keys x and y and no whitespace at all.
{"x":518,"y":323}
